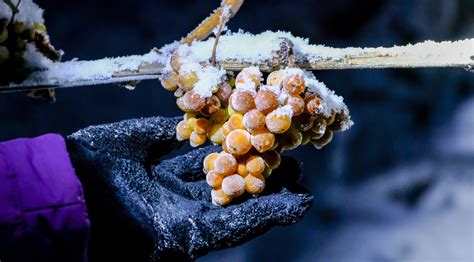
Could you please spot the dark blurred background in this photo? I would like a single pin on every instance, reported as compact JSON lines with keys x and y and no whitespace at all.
{"x":398,"y":186}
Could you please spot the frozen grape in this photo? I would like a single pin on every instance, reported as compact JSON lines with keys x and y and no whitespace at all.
{"x":254,"y":120}
{"x":170,"y":81}
{"x":220,"y":198}
{"x":215,"y":134}
{"x":214,"y":179}
{"x":278,"y":122}
{"x":238,"y":142}
{"x":236,"y":121}
{"x":187,"y":80}
{"x":317,"y":131}
{"x":267,"y":172}
{"x":242,"y":169}
{"x":231,"y":111}
{"x":233,"y":185}
{"x":262,"y":140}
{"x":292,"y":139}
{"x":274,"y":78}
{"x":223,"y":93}
{"x":4,"y":54}
{"x":208,"y":163}
{"x":303,"y":122}
{"x":202,"y":126}
{"x":248,"y":79}
{"x":293,"y":84}
{"x":272,"y":159}
{"x":314,"y":106}
{"x":226,"y":129}
{"x":180,"y":104}
{"x":242,"y":101}
{"x":212,"y":106}
{"x":324,"y":140}
{"x":297,"y":104}
{"x":220,"y":116}
{"x":179,"y":93}
{"x":183,"y":130}
{"x":330,"y":119}
{"x":306,"y":138}
{"x":189,"y":115}
{"x":255,"y":165}
{"x":225,"y":164}
{"x":254,"y":184}
{"x":337,"y":125}
{"x":266,"y":101}
{"x":192,"y":122}
{"x":224,"y":145}
{"x":3,"y":33}
{"x":192,"y":102}
{"x":18,"y":27}
{"x":196,"y":140}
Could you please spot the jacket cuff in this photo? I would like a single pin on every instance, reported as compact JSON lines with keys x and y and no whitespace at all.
{"x":43,"y":214}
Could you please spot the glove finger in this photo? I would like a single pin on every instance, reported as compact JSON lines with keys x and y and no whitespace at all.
{"x":143,"y":140}
{"x":184,"y":175}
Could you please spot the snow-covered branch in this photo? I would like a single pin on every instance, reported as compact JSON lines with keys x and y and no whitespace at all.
{"x":268,"y":51}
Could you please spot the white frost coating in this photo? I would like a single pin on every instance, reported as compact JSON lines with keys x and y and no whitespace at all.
{"x":75,"y":71}
{"x":209,"y":79}
{"x":252,"y":48}
{"x":291,"y":71}
{"x":275,"y":89}
{"x":239,"y":46}
{"x":330,"y":101}
{"x":244,"y":82}
{"x":29,"y":13}
{"x":34,"y":58}
{"x":283,"y":111}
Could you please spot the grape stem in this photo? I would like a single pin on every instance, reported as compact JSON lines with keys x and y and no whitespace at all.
{"x":218,"y":35}
{"x":13,"y":7}
{"x":205,"y":28}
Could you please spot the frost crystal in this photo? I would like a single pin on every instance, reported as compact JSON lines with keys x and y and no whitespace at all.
{"x":29,"y":13}
{"x":75,"y":71}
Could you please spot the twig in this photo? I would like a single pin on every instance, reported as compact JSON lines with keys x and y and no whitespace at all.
{"x":223,"y":20}
{"x":203,"y":30}
{"x":12,"y":6}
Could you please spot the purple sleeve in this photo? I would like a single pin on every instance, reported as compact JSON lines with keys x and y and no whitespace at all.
{"x":43,"y":215}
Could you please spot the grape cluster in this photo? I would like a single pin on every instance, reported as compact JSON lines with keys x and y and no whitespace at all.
{"x":14,"y":37}
{"x":15,"y":66}
{"x":253,"y":122}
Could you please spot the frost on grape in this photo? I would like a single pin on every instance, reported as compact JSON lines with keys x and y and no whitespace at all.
{"x":254,"y":120}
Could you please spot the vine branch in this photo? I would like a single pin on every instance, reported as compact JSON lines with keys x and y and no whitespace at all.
{"x":453,"y":55}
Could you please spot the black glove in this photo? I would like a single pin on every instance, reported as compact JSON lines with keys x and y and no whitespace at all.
{"x":142,"y":207}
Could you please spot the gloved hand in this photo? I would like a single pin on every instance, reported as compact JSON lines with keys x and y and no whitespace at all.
{"x":145,"y":207}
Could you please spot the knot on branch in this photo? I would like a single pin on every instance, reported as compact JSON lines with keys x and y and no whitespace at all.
{"x":285,"y":56}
